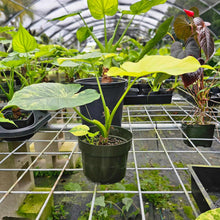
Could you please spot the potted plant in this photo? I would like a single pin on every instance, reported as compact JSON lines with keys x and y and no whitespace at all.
{"x":198,"y":39}
{"x":106,"y":143}
{"x":100,"y":10}
{"x":26,"y":123}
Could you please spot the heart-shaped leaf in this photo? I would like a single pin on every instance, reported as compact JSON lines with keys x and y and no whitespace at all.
{"x":100,"y":8}
{"x":23,"y":42}
{"x":52,"y":96}
{"x":182,"y":28}
{"x":191,"y":49}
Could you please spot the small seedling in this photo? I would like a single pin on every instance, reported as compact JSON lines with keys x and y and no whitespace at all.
{"x":83,"y":130}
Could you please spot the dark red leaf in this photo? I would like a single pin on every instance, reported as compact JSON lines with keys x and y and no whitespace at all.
{"x":205,"y":39}
{"x":190,"y":78}
{"x":182,"y":28}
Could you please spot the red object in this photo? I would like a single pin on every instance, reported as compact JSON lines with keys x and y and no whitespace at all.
{"x":189,"y":13}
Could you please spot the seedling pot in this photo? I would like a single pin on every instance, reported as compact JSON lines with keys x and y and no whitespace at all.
{"x":106,"y":164}
{"x":199,"y":132}
{"x":205,"y":183}
{"x":26,"y":128}
{"x":112,"y":93}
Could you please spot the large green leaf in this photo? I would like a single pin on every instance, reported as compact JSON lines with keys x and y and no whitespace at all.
{"x":100,"y":8}
{"x":52,"y":96}
{"x":144,"y":5}
{"x":23,"y":42}
{"x":155,"y":64}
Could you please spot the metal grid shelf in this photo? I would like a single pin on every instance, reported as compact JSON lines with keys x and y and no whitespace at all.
{"x":157,"y":151}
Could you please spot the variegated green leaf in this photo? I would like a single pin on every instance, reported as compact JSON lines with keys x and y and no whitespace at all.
{"x":52,"y":96}
{"x":79,"y":130}
{"x":155,"y":64}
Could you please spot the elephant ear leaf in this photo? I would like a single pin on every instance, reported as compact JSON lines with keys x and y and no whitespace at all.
{"x":52,"y":96}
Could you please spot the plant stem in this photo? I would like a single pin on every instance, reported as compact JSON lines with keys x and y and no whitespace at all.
{"x":123,"y":34}
{"x":122,"y":212}
{"x":109,"y":47}
{"x":171,"y":36}
{"x":102,"y":48}
{"x":118,"y":104}
{"x":105,"y":31}
{"x":95,"y":122}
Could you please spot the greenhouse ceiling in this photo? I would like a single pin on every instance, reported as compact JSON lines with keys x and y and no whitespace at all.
{"x":36,"y":15}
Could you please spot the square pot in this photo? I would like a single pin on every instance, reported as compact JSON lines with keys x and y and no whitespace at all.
{"x":205,"y":182}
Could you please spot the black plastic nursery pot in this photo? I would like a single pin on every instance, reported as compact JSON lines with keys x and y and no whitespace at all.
{"x":205,"y":186}
{"x":198,"y":132}
{"x":26,"y":128}
{"x":112,"y":93}
{"x":141,"y":94}
{"x":106,"y":164}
